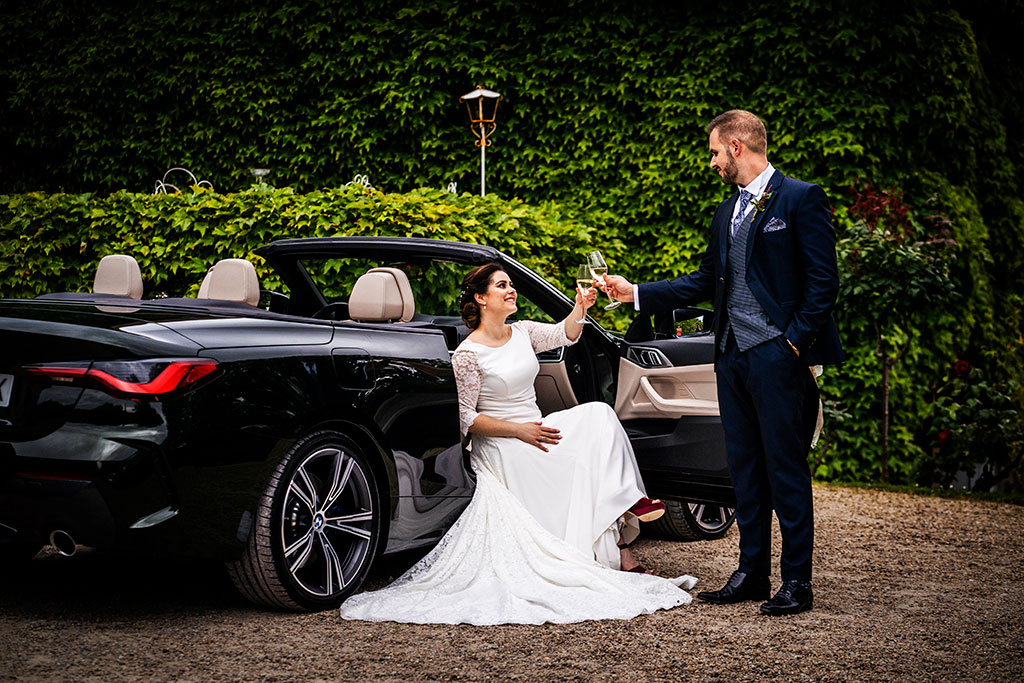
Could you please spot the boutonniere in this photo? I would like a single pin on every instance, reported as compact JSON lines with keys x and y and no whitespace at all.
{"x":762,"y":203}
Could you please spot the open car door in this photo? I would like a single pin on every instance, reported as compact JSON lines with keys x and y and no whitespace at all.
{"x":667,"y":400}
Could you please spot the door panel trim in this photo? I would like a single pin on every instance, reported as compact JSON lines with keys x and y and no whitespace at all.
{"x":666,"y":392}
{"x":554,"y":392}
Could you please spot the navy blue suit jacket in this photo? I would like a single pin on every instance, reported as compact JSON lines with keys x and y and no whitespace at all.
{"x":791,"y":269}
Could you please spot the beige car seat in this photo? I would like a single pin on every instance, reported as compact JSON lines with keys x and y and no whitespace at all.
{"x":231,"y":279}
{"x":381,"y":295}
{"x":118,"y":275}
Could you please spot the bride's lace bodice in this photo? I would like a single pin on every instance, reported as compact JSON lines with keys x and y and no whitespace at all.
{"x":498,"y":381}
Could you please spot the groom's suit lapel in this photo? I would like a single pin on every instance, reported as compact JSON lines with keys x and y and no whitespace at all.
{"x":773,"y":188}
{"x":723,"y":231}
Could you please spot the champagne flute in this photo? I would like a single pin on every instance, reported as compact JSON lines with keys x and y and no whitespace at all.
{"x":599,"y":269}
{"x":584,"y":280}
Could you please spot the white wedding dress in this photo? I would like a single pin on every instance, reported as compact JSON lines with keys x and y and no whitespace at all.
{"x":538,"y":541}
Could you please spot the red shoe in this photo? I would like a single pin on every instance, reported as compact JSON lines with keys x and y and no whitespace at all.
{"x":639,"y":568}
{"x":647,"y":510}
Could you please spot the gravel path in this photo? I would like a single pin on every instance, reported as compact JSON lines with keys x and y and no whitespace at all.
{"x":906,"y":588}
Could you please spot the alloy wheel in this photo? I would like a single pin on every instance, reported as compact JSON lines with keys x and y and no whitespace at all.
{"x":326,"y":523}
{"x":712,"y":519}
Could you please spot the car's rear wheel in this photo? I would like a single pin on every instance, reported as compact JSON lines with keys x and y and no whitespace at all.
{"x":689,"y":521}
{"x":317,"y":529}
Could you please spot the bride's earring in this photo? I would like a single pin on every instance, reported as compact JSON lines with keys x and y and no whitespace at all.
{"x":485,"y":306}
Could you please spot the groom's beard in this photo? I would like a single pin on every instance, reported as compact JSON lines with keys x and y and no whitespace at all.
{"x":729,"y":170}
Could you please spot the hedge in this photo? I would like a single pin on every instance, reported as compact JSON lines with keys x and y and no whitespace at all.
{"x":603,"y":114}
{"x":53,"y":242}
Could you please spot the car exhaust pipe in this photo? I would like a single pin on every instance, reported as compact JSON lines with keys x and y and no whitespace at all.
{"x":62,"y":541}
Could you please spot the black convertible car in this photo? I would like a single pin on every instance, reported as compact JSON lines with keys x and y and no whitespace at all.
{"x":297,"y":434}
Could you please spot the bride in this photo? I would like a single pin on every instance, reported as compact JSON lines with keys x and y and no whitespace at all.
{"x":557,"y":500}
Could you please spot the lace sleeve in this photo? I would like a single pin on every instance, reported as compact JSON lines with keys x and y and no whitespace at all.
{"x":546,"y":336}
{"x":468,"y":379}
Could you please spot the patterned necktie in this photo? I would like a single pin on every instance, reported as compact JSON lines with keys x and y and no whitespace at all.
{"x":745,"y":198}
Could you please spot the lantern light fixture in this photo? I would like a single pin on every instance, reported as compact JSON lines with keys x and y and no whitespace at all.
{"x":482,"y":105}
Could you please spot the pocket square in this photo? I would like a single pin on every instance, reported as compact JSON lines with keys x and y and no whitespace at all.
{"x":775,"y":224}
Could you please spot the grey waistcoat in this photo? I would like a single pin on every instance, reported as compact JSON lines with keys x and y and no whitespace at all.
{"x":744,"y":316}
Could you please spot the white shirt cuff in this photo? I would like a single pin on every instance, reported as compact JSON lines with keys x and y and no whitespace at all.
{"x":636,"y":297}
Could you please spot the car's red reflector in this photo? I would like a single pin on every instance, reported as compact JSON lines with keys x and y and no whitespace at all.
{"x":175,"y":376}
{"x":170,"y":375}
{"x":59,"y":476}
{"x":58,"y":373}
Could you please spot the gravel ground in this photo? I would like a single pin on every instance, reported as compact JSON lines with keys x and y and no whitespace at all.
{"x":906,"y":588}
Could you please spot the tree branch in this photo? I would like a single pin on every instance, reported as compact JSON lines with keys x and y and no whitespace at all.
{"x":903,"y":350}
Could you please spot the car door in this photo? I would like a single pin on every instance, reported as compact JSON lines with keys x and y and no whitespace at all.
{"x":667,"y":379}
{"x":667,"y":400}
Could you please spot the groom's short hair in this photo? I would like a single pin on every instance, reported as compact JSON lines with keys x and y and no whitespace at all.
{"x":740,"y":124}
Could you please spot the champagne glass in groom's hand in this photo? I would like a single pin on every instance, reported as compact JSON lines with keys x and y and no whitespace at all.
{"x":599,"y":268}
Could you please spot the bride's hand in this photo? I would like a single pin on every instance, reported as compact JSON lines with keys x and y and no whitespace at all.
{"x":536,"y":434}
{"x":586,"y":299}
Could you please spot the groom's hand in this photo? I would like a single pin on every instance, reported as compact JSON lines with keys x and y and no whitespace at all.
{"x":536,"y":434}
{"x":618,"y":288}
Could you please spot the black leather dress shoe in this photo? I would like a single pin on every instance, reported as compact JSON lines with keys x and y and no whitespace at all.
{"x":794,"y":597}
{"x":740,"y":587}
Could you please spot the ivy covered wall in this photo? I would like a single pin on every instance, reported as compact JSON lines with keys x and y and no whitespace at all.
{"x":603,"y":112}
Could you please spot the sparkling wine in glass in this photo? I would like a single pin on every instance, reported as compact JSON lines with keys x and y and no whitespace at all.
{"x":599,"y":268}
{"x":585,"y":280}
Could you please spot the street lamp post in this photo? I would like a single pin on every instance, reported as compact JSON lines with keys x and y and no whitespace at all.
{"x":483,"y":107}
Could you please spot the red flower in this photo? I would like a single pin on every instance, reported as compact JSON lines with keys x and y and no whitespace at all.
{"x":961,"y":368}
{"x":943,"y":435}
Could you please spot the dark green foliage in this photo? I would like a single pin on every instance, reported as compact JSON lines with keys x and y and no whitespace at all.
{"x":605,"y":103}
{"x":909,"y":319}
{"x":895,"y":291}
{"x":53,"y":242}
{"x":980,"y":431}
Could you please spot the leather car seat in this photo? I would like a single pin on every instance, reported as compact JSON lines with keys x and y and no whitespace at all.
{"x":118,"y":275}
{"x":231,"y":279}
{"x":382,"y":295}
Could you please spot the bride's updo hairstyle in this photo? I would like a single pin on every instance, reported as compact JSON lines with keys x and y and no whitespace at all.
{"x":476,"y":282}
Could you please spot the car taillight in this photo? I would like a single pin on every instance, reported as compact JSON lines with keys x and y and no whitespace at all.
{"x":152,"y":377}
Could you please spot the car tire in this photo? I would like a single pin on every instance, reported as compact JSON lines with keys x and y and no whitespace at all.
{"x":689,"y":521}
{"x":316,"y":530}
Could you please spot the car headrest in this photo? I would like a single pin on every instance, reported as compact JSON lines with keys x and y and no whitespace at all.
{"x":118,"y":275}
{"x":231,"y":279}
{"x":381,"y":295}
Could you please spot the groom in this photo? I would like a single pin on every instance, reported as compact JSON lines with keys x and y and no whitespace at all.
{"x":770,"y":268}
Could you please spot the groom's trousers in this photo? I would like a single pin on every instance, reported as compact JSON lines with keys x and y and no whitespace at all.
{"x":764,"y":395}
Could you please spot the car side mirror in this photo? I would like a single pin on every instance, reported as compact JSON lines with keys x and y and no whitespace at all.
{"x":703,"y":315}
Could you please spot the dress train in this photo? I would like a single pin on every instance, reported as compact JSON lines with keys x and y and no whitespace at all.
{"x":497,"y":565}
